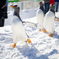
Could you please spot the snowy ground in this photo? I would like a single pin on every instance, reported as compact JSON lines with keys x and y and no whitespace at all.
{"x":42,"y":47}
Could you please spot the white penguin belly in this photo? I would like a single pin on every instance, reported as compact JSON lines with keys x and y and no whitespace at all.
{"x":18,"y":30}
{"x":40,"y":17}
{"x":49,"y":22}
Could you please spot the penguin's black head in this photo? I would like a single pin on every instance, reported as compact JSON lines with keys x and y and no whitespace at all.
{"x":41,"y":4}
{"x":52,"y":7}
{"x":16,"y":8}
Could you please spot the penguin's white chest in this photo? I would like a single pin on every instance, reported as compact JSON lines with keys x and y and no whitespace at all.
{"x":49,"y":22}
{"x":18,"y":30}
{"x":40,"y":17}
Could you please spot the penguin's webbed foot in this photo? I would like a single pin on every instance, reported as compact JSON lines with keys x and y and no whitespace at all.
{"x":44,"y":31}
{"x":29,"y":41}
{"x":41,"y":30}
{"x":57,"y":19}
{"x":14,"y":45}
{"x":51,"y":35}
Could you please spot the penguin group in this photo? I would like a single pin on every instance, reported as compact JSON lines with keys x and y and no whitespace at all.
{"x":46,"y":21}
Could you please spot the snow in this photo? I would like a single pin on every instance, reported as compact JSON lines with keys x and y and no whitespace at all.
{"x":42,"y":46}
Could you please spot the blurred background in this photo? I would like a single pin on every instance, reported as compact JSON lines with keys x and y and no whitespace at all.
{"x":24,"y":4}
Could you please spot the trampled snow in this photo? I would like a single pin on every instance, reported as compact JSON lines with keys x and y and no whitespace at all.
{"x":42,"y":46}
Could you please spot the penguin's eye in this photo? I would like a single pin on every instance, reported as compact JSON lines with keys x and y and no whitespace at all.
{"x":16,"y":6}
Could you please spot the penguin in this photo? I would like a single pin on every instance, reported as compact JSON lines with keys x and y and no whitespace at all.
{"x":49,"y":21}
{"x":40,"y":15}
{"x":19,"y":34}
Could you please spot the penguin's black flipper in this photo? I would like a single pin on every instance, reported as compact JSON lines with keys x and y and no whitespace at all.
{"x":29,"y":23}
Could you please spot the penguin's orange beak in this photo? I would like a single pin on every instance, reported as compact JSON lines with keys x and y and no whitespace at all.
{"x":12,"y":6}
{"x":39,"y":3}
{"x":50,"y":4}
